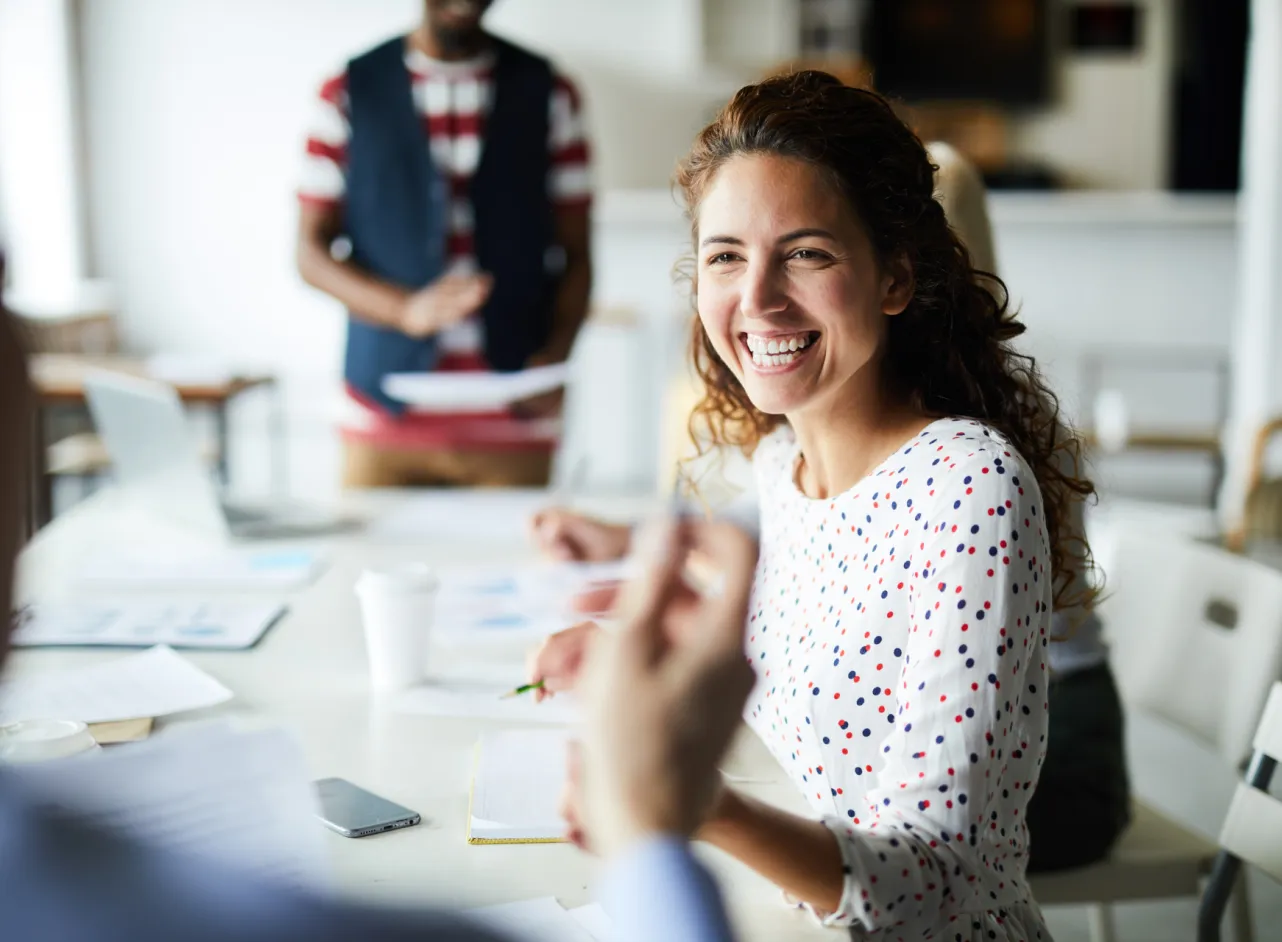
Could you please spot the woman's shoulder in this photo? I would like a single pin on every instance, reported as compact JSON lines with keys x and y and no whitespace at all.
{"x":968,"y":455}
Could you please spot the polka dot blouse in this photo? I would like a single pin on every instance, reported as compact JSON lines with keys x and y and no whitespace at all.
{"x":899,"y":633}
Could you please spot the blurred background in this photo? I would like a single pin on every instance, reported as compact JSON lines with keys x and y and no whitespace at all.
{"x":150,"y":152}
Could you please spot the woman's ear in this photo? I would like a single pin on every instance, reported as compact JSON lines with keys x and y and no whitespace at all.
{"x":896,"y":285}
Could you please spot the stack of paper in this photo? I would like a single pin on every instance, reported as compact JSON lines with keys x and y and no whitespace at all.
{"x":545,"y":920}
{"x":516,"y":791}
{"x":473,"y":392}
{"x":140,"y":624}
{"x":242,"y":799}
{"x":154,"y":683}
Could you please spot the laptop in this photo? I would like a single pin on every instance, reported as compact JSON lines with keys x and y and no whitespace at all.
{"x":157,"y":465}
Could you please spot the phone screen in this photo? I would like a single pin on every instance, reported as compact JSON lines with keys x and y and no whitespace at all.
{"x":354,"y":812}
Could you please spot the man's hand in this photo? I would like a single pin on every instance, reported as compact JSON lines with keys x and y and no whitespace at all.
{"x":664,"y":695}
{"x":447,"y":301}
{"x":544,"y":405}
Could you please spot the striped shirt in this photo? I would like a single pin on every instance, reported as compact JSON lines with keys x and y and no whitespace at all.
{"x":453,"y":100}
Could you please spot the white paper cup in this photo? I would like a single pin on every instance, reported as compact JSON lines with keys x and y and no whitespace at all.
{"x":397,"y":605}
{"x":40,"y":740}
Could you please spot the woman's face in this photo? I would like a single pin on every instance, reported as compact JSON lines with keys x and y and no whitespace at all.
{"x":789,"y":290}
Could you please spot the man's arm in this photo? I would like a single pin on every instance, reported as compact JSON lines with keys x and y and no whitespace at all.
{"x":361,"y":293}
{"x":570,"y":308}
{"x":418,"y":313}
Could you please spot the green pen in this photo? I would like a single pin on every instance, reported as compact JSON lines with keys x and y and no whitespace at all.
{"x":524,"y":688}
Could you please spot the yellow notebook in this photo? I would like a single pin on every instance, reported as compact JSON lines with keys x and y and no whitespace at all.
{"x":516,"y":787}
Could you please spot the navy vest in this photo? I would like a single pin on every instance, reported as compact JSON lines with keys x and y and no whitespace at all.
{"x":397,"y":204}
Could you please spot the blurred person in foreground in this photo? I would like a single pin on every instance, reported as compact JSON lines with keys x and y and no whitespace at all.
{"x":660,"y":715}
{"x":456,"y":167}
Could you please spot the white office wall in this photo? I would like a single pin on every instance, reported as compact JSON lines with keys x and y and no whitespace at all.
{"x":40,"y":193}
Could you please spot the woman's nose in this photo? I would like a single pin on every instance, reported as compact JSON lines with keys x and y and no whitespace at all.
{"x":762,"y":292}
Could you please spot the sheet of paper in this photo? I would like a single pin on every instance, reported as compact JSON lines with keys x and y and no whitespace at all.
{"x":141,"y":623}
{"x":596,"y":920}
{"x":501,"y":602}
{"x":486,"y":516}
{"x":156,"y":682}
{"x":484,"y":700}
{"x":460,"y":630}
{"x":241,"y":798}
{"x":539,"y":585}
{"x":535,"y":920}
{"x":473,"y":391}
{"x":231,"y":568}
{"x":516,"y":791}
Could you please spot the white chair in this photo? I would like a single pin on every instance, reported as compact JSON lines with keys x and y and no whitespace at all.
{"x":1196,"y":637}
{"x":1252,"y":831}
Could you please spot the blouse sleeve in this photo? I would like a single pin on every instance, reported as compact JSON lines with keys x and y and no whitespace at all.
{"x":971,"y":699}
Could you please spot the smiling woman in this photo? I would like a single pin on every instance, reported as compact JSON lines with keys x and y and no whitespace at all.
{"x":915,"y":515}
{"x":917,"y":502}
{"x":814,"y":218}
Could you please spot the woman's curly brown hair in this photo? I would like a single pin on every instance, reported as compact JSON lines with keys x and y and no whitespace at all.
{"x":949,"y":352}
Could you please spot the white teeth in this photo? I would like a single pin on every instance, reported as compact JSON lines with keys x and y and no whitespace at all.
{"x":773,"y":346}
{"x":765,"y":359}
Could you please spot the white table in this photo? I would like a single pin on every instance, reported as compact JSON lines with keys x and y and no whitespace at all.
{"x":309,"y":675}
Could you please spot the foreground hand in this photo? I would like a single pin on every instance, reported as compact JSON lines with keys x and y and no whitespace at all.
{"x":447,"y":301}
{"x":663,"y":697}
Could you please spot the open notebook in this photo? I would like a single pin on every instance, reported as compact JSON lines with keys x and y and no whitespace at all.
{"x":516,"y":788}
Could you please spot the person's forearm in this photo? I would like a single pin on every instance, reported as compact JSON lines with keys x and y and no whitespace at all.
{"x":570,"y":308}
{"x":796,"y":854}
{"x":369,"y":298}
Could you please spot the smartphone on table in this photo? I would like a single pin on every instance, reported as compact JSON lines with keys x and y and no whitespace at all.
{"x":354,"y":812}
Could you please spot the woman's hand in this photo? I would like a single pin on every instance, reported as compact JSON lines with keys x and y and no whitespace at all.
{"x":558,"y":661}
{"x":570,"y":537}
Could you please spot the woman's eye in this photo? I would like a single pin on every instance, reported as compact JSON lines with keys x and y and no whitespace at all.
{"x":809,"y":255}
{"x":721,"y":258}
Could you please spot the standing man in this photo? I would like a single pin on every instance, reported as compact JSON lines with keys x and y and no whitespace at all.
{"x":456,"y":167}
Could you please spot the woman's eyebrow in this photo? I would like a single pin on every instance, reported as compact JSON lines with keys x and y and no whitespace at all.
{"x":806,"y":234}
{"x":720,"y":239}
{"x":787,"y":237}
